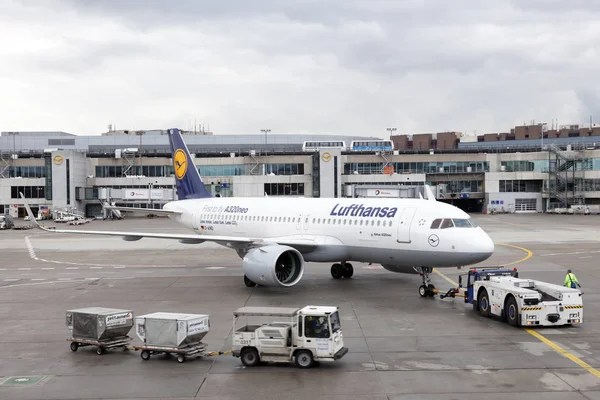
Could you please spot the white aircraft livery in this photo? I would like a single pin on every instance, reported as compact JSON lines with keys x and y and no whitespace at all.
{"x":275,"y":237}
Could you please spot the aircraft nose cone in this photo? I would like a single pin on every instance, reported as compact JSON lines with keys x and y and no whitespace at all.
{"x":484,"y":247}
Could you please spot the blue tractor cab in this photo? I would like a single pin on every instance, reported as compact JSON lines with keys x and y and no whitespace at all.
{"x":482,"y":274}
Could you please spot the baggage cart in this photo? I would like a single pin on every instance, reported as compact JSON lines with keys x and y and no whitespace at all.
{"x":182,"y":353}
{"x":101,"y":345}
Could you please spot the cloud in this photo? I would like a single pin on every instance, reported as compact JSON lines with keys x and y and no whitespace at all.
{"x":344,"y":67}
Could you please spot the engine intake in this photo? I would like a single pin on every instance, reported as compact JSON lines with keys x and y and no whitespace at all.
{"x":274,"y":265}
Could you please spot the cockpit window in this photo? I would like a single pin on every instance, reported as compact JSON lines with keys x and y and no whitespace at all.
{"x":462,"y":223}
{"x":436,"y":223}
{"x":447,"y":223}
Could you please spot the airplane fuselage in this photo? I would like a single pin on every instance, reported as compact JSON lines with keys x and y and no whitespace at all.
{"x":393,"y":232}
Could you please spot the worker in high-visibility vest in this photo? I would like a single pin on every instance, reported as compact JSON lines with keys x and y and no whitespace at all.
{"x":571,"y":280}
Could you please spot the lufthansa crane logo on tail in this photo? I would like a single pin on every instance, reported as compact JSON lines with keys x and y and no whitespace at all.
{"x":180,"y":164}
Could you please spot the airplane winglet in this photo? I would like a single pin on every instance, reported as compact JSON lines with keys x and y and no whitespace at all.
{"x":430,"y":195}
{"x":30,"y":214}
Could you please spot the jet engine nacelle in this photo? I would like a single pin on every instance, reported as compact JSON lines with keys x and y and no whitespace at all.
{"x":400,"y":269}
{"x":274,"y":265}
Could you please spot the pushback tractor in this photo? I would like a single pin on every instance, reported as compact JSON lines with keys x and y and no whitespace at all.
{"x":305,"y":336}
{"x":521,"y":302}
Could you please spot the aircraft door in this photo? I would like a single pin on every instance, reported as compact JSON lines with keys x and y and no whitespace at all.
{"x":404,"y":223}
{"x":195,"y":221}
{"x":306,"y":220}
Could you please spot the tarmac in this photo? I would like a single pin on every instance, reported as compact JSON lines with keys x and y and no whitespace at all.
{"x":401,"y":346}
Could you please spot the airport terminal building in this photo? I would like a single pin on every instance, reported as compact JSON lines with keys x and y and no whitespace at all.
{"x":530,"y":169}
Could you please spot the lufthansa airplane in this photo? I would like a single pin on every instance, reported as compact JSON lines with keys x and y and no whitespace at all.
{"x":275,"y":237}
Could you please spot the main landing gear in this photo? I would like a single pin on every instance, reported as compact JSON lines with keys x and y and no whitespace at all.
{"x":343,"y":270}
{"x":426,"y":289}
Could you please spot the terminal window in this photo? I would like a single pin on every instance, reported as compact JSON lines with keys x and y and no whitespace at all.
{"x":284,"y":189}
{"x":30,"y":192}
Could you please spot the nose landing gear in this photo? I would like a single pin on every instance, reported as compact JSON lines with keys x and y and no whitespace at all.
{"x":426,"y":289}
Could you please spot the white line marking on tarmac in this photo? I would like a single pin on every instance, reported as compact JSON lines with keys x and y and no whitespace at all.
{"x":95,"y":267}
{"x":119,"y":267}
{"x":24,"y":269}
{"x":568,"y":254}
{"x":38,"y":279}
{"x":72,"y":268}
{"x":30,"y":248}
{"x":11,"y":280}
{"x":215,"y":267}
{"x":47,"y":268}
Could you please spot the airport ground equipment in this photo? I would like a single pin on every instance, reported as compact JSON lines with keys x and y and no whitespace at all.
{"x":521,"y":302}
{"x":172,"y":333}
{"x":105,"y":328}
{"x":308,"y":335}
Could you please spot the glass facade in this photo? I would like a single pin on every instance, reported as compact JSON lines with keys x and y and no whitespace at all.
{"x":520,"y":186}
{"x":523,"y":166}
{"x":116,"y":171}
{"x":587,"y":185}
{"x":463,"y":186}
{"x":284,"y":189}
{"x":30,"y":192}
{"x":27,"y":172}
{"x":431,"y":167}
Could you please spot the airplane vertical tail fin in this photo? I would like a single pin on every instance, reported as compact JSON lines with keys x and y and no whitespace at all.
{"x":188,"y":181}
{"x":429,"y":192}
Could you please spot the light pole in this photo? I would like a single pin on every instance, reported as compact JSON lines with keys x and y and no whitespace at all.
{"x":390,"y":130}
{"x":265,"y":131}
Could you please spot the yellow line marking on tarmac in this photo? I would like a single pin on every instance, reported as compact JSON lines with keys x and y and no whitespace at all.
{"x":527,"y":257}
{"x":565,"y":353}
{"x":533,"y":333}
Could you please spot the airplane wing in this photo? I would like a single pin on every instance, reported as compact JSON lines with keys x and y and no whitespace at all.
{"x":301,"y":244}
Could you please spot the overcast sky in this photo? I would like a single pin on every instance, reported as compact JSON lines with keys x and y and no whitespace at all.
{"x":326,"y":66}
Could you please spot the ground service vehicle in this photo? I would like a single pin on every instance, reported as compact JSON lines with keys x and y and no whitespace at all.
{"x":309,"y":334}
{"x":522,"y":302}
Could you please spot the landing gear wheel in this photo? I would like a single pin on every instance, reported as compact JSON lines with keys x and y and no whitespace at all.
{"x":304,"y":359}
{"x":99,"y":351}
{"x":249,"y":357}
{"x":145,"y":355}
{"x":74,"y":346}
{"x":430,"y":290}
{"x":512,"y":312}
{"x":484,"y":303}
{"x":248,"y":282}
{"x":337,"y":271}
{"x":348,"y":270}
{"x":422,"y":291}
{"x":180,"y":358}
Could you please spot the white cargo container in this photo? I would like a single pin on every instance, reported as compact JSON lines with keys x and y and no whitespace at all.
{"x":99,"y":323}
{"x":174,"y":330}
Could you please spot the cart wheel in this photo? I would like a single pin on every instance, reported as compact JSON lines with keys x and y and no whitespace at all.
{"x":249,"y":357}
{"x":180,"y":358}
{"x":304,"y":359}
{"x":74,"y":346}
{"x":512,"y":312}
{"x":100,"y":350}
{"x":484,"y":303}
{"x":145,"y":355}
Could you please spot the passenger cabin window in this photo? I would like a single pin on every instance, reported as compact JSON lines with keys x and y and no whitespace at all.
{"x":316,"y":327}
